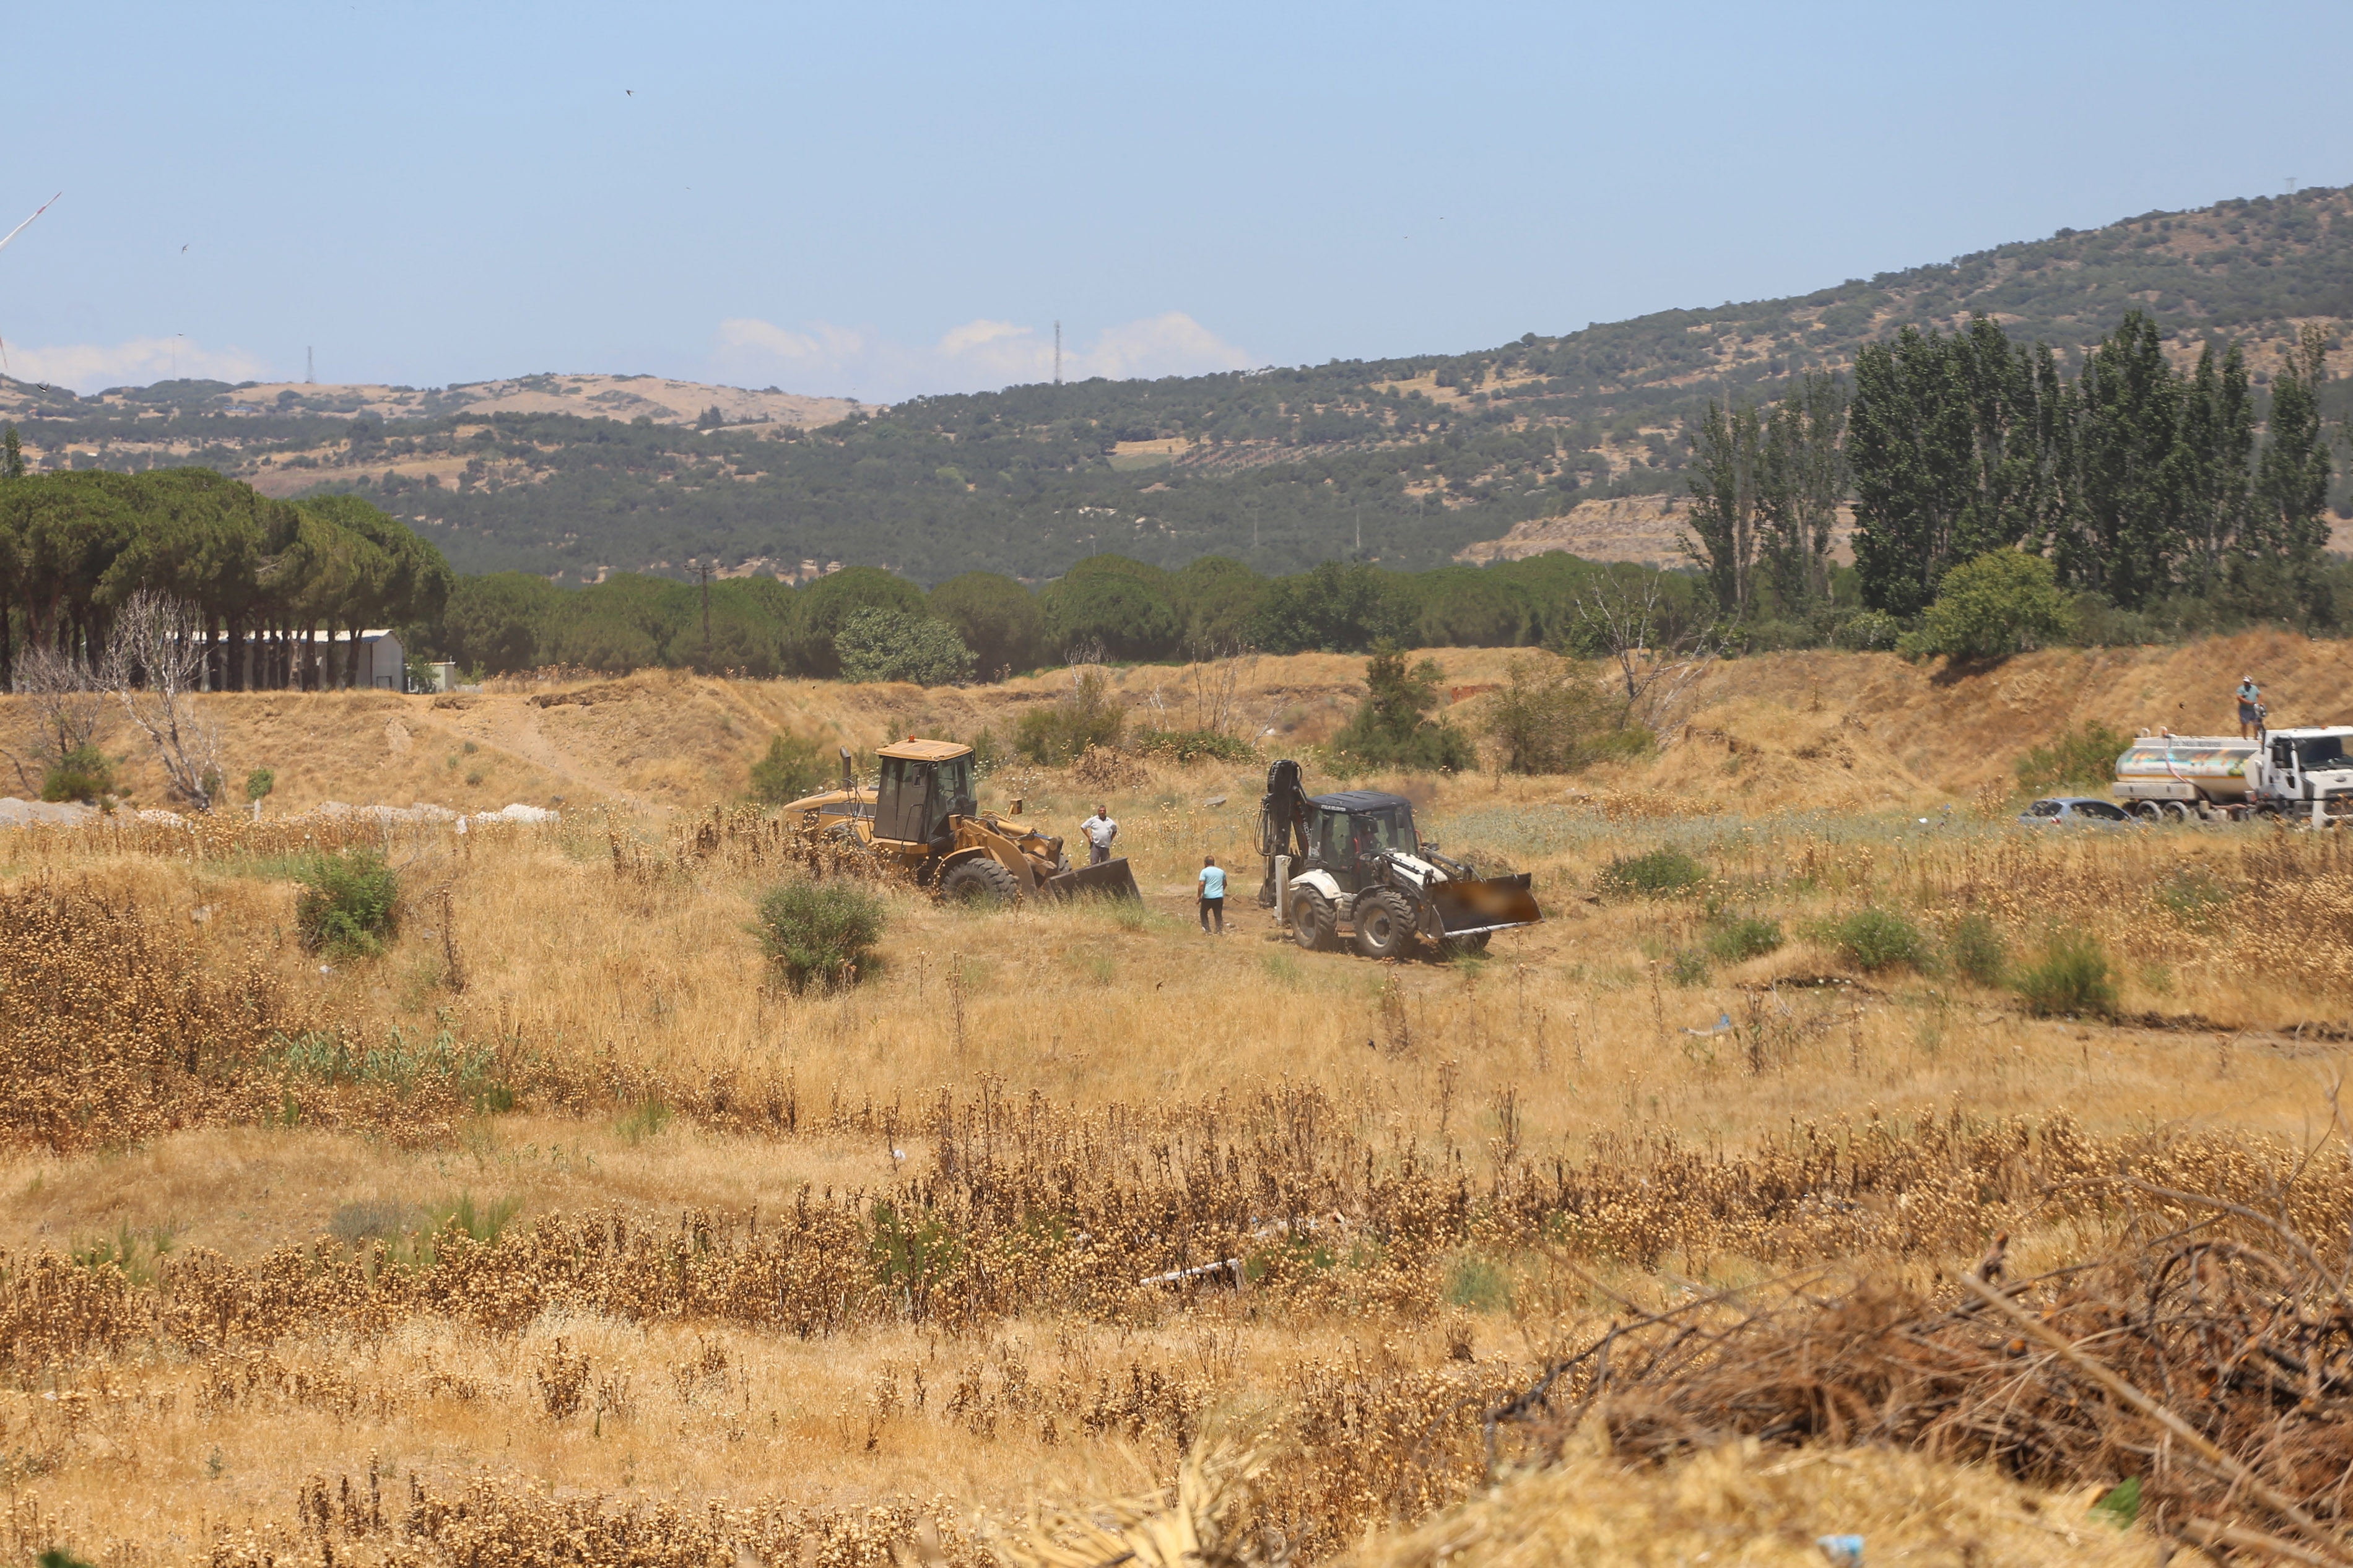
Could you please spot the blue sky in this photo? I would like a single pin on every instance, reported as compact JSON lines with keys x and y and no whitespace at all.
{"x":883,"y":200}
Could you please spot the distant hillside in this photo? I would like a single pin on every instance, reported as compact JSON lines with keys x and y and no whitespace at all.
{"x":1407,"y":461}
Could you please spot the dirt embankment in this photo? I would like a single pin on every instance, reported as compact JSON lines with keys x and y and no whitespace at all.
{"x":1841,"y":731}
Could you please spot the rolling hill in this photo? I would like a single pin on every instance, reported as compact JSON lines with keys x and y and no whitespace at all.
{"x":1410,"y":461}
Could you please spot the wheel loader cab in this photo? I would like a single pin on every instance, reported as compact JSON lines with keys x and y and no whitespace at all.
{"x":924,"y":784}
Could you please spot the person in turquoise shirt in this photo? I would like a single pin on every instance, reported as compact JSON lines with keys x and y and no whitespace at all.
{"x":1213,"y":893}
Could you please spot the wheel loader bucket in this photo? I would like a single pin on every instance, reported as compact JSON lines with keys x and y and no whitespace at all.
{"x":1112,"y":880}
{"x":1490,"y":903}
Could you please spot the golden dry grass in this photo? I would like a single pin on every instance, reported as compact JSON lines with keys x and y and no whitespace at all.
{"x":1148,"y":1064}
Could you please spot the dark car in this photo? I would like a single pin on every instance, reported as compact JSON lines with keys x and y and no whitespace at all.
{"x":2076,"y":811}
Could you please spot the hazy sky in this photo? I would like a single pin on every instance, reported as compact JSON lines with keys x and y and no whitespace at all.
{"x":877,"y":200}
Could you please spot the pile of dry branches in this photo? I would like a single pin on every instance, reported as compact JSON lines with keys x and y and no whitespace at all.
{"x":2214,"y":1362}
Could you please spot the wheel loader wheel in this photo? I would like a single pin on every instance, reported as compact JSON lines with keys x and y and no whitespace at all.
{"x":1470,"y":946}
{"x":1384,"y":924}
{"x":1312,"y":926}
{"x":979,"y":880}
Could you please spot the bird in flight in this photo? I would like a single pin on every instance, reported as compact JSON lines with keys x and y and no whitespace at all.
{"x":628,"y":92}
{"x":184,"y":250}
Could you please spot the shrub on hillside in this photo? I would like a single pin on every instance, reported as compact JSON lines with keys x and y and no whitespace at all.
{"x":259,"y":784}
{"x":789,"y":771}
{"x":2075,"y":977}
{"x":2002,"y":602}
{"x":1086,"y":715}
{"x":82,"y":774}
{"x":1744,"y":937}
{"x":1874,"y":940}
{"x":1391,"y":728}
{"x":2085,"y":756}
{"x":1976,"y":950}
{"x":1192,"y":746}
{"x":1552,"y":717}
{"x":349,"y":903}
{"x":820,"y":933}
{"x":1655,"y":875}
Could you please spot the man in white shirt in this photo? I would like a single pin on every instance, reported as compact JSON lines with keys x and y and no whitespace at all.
{"x":1100,"y":830}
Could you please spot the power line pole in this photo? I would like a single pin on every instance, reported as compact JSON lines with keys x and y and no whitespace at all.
{"x":310,"y":366}
{"x":1057,"y":354}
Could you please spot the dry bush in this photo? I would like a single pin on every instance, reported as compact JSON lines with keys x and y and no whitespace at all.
{"x":2212,"y":1361}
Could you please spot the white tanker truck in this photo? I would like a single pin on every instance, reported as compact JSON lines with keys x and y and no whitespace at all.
{"x":2302,"y":772}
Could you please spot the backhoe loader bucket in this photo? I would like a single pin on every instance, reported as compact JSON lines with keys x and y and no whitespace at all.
{"x":1112,"y":880}
{"x":1492,"y":903}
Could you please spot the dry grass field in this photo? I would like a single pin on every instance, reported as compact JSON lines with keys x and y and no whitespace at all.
{"x":562,"y":1231}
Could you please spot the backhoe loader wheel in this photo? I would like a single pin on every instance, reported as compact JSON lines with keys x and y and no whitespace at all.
{"x":1384,"y":924}
{"x":1470,"y":946}
{"x":978,"y":880}
{"x":1312,"y":926}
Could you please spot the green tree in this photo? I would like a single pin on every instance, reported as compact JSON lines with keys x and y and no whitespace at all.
{"x":2002,"y":602}
{"x":1334,"y":608}
{"x":1801,"y":479}
{"x":1125,"y":615}
{"x":1468,"y":606}
{"x":2132,"y":483}
{"x":12,"y":455}
{"x":1392,"y":729}
{"x":2290,"y":522}
{"x":2218,"y":437}
{"x":998,"y":617}
{"x":496,"y":623}
{"x":820,"y":610}
{"x":891,"y":645}
{"x":1217,"y":600}
{"x":1721,"y":538}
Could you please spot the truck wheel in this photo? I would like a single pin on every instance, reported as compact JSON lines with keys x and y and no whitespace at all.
{"x":1384,"y":924}
{"x":979,"y":880}
{"x":2176,"y":812}
{"x":1312,"y":926}
{"x":2150,"y":811}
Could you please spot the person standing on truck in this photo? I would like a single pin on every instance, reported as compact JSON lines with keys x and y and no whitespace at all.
{"x":1101,"y":830}
{"x":1213,"y":894}
{"x":2251,"y":706}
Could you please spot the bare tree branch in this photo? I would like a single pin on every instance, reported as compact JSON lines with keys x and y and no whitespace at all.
{"x":154,"y":662}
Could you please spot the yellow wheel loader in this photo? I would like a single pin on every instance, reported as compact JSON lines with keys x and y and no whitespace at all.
{"x":922,"y":817}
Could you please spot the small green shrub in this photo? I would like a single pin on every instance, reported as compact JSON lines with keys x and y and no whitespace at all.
{"x":259,"y":782}
{"x":1477,"y":1284}
{"x":820,"y":933}
{"x":1744,"y":937}
{"x":1874,"y":940}
{"x":1976,"y":950}
{"x":2085,"y":756}
{"x":83,"y":773}
{"x":1688,"y":966}
{"x":1193,"y":746}
{"x":1086,"y":715}
{"x":1657,"y":874}
{"x":790,"y":770}
{"x":2075,"y":977}
{"x":349,"y":905}
{"x":644,"y":1120}
{"x":2193,"y":895}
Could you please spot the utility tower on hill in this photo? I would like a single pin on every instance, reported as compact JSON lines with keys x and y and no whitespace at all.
{"x":310,"y":366}
{"x":1057,"y":354}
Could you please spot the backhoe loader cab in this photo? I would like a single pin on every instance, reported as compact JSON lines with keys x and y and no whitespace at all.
{"x":922,"y":817}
